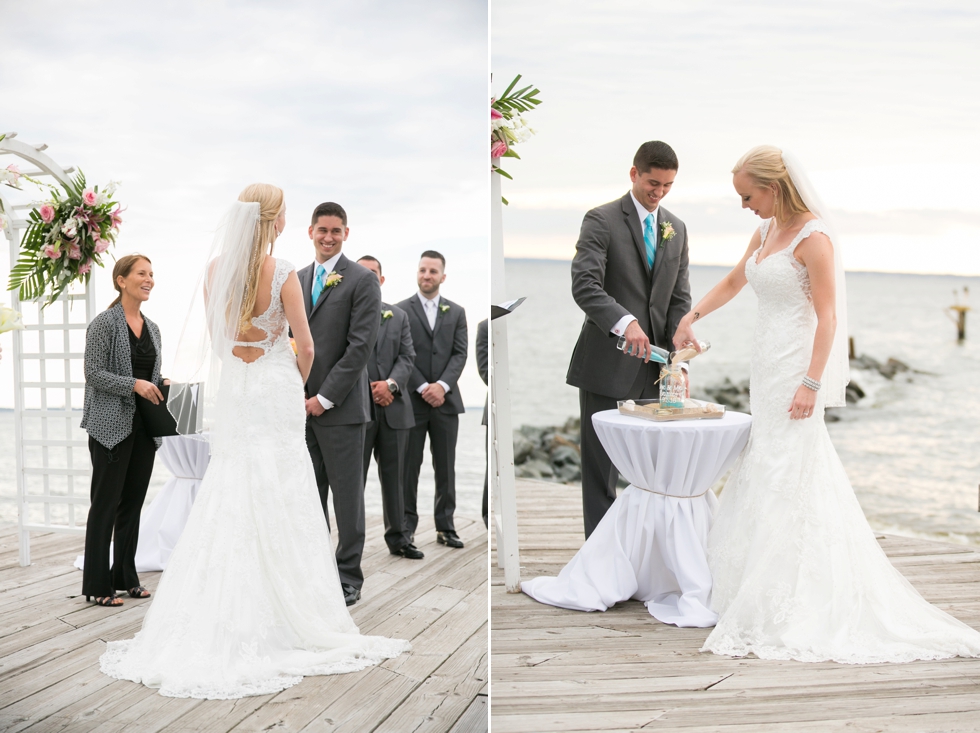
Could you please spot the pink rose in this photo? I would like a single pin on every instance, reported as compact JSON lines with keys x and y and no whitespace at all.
{"x":85,"y":268}
{"x":101,"y":245}
{"x":74,"y":252}
{"x":89,"y":197}
{"x":52,"y":252}
{"x":495,"y":115}
{"x":498,"y":148}
{"x":47,"y":213}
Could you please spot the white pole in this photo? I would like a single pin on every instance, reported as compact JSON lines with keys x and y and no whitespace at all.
{"x":501,"y":432}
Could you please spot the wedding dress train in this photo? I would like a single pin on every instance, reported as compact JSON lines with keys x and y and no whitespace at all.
{"x":797,"y":571}
{"x":251,"y":600}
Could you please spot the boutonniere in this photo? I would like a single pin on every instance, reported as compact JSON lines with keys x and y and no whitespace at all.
{"x":666,"y":233}
{"x":444,"y":308}
{"x":333,"y":279}
{"x":385,"y":315}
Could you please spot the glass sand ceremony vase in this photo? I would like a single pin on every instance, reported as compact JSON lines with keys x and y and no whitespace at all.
{"x":673,"y":386}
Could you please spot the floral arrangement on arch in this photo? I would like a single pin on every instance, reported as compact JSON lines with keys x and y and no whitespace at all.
{"x":507,"y":127}
{"x":67,"y":236}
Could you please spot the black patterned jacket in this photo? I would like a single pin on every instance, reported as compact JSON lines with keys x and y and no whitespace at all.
{"x":109,"y":398}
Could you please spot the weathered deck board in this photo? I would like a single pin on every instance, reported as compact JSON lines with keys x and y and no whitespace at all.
{"x":559,"y":670}
{"x":51,"y":639}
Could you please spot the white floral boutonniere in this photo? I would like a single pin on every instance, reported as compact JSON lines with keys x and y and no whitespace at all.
{"x":385,"y":315}
{"x":444,"y":308}
{"x":333,"y":279}
{"x":666,"y":232}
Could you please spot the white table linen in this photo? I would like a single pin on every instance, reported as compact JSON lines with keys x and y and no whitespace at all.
{"x":652,"y":543}
{"x":162,"y":523}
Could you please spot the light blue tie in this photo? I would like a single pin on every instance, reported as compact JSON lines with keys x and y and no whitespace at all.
{"x":650,"y":238}
{"x":318,"y":283}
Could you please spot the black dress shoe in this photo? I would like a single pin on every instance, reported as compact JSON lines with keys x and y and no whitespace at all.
{"x":410,"y":551}
{"x":351,"y":594}
{"x":450,"y":539}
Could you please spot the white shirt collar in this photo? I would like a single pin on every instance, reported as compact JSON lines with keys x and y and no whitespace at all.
{"x":642,"y":212}
{"x":328,"y":266}
{"x":423,"y":300}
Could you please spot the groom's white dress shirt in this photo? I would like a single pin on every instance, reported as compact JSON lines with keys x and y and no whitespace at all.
{"x":620,"y":328}
{"x":327,"y":269}
{"x":431,"y":308}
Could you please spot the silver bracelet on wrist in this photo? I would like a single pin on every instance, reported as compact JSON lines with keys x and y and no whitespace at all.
{"x":810,"y":383}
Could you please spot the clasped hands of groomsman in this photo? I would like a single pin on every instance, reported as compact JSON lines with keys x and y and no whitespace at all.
{"x":383,"y":378}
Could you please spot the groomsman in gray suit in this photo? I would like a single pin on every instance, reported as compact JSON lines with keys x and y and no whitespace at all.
{"x":343,"y":304}
{"x":483,"y":366}
{"x":629,"y":275}
{"x":389,"y":368}
{"x":440,"y":340}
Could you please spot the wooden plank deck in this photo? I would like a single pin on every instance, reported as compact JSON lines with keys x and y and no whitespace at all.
{"x":559,"y":670}
{"x":51,"y":640}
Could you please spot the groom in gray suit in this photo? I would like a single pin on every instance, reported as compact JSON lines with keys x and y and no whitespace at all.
{"x":629,"y":275}
{"x":343,"y":305}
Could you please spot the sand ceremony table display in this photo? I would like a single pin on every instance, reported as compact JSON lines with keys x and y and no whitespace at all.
{"x":651,"y":545}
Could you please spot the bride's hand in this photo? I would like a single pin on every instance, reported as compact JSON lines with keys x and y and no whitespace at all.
{"x":684,"y":335}
{"x":803,"y":403}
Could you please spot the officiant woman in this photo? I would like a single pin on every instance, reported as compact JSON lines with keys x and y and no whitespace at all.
{"x":122,"y":360}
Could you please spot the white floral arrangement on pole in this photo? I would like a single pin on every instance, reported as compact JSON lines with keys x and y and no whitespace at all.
{"x":507,"y":127}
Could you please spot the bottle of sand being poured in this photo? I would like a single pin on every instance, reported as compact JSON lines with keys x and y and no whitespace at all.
{"x":689,"y":352}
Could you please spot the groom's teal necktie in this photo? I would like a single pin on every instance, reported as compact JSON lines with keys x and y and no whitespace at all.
{"x":650,"y":238}
{"x":318,"y":283}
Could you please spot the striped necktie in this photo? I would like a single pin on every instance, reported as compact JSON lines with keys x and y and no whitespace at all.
{"x":650,"y":239}
{"x":321,"y":276}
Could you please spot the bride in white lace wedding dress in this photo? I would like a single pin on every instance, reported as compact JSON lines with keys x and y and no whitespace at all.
{"x":251,"y":599}
{"x":797,"y":571}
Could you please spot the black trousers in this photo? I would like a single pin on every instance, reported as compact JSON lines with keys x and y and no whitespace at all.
{"x":390,"y":447}
{"x":120,"y":477}
{"x":335,"y":451}
{"x":599,"y":475}
{"x":442,"y":430}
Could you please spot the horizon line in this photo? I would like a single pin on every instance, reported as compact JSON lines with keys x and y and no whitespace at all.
{"x":706,"y":264}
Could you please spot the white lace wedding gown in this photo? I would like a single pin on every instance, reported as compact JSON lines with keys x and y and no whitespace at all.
{"x":797,"y":571}
{"x":251,"y":599}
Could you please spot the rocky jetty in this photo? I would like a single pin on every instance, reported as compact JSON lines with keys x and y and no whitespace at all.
{"x":555,"y":454}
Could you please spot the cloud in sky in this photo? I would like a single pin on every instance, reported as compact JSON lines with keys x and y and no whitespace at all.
{"x":879,"y":100}
{"x":379,"y":105}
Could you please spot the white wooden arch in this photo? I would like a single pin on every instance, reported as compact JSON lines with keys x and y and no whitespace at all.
{"x":51,"y":451}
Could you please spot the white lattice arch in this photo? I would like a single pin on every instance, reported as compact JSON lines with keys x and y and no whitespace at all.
{"x":48,"y":378}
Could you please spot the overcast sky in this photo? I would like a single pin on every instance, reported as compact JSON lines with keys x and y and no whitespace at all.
{"x":380,"y":106}
{"x":880,"y":101}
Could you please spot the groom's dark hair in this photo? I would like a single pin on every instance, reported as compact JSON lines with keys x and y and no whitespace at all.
{"x":433,"y":255}
{"x":655,"y":154}
{"x":329,"y":208}
{"x":369,"y":258}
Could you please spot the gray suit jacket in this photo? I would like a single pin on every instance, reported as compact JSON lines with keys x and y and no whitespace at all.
{"x":440,"y":353}
{"x":110,"y":402}
{"x":392,"y":358}
{"x":344,"y":323}
{"x":610,"y":279}
{"x":483,"y":357}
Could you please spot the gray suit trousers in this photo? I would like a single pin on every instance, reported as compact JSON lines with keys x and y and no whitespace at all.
{"x":442,"y":430}
{"x":390,"y":448}
{"x":599,"y":475}
{"x":331,"y":448}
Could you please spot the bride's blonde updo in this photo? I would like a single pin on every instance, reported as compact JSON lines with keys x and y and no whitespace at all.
{"x":764,"y":165}
{"x":271,"y":201}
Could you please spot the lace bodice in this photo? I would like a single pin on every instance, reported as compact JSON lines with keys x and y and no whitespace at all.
{"x":273,"y":320}
{"x":783,"y":342}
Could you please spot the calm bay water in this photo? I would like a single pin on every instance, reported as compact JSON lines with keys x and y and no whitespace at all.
{"x":470,"y":465}
{"x":911,"y":448}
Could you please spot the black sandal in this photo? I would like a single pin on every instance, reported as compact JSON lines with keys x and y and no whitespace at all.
{"x":139,"y":592}
{"x":106,"y":601}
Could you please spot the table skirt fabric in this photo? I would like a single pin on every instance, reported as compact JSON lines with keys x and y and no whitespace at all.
{"x":649,"y":546}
